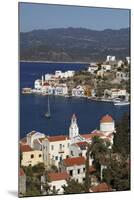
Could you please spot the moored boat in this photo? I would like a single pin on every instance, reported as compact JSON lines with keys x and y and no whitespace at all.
{"x":121,"y":103}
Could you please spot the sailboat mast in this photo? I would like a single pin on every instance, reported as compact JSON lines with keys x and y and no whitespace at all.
{"x":48,"y":106}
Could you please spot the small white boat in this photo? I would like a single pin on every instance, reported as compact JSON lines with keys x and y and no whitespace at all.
{"x":121,"y":103}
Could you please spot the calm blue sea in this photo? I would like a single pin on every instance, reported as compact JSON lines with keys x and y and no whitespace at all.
{"x":33,"y":107}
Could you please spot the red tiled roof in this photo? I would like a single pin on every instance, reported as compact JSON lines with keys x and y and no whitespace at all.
{"x":21,"y":172}
{"x":82,"y":145}
{"x":102,"y":187}
{"x":46,"y":84}
{"x":74,"y":161}
{"x":25,"y":148}
{"x":23,"y":140}
{"x":57,"y":138}
{"x":106,"y":118}
{"x":58,"y":176}
{"x":93,"y":134}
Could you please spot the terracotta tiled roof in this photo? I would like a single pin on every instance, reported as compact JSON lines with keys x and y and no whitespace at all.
{"x":102,"y":187}
{"x":58,"y":176}
{"x":23,"y":140}
{"x":25,"y":148}
{"x":106,"y":118}
{"x":57,"y":138}
{"x":90,"y":135}
{"x":82,"y":145}
{"x":21,"y":172}
{"x":74,"y":161}
{"x":46,"y":84}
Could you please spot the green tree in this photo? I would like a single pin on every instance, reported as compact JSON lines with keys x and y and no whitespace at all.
{"x":73,"y":187}
{"x":100,"y":153}
{"x":87,"y":178}
{"x":45,"y":184}
{"x":122,"y":136}
{"x":117,"y":175}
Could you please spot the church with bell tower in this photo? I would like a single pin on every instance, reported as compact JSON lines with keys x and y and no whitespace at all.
{"x":73,"y":129}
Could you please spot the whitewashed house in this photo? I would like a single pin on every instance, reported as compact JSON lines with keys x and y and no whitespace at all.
{"x":106,"y":67}
{"x":128,"y":60}
{"x":122,"y":76}
{"x":120,"y":63}
{"x":75,"y":167}
{"x":80,"y":149}
{"x":110,"y":58}
{"x":48,"y":77}
{"x":56,"y":181}
{"x":61,"y":89}
{"x":92,"y":68}
{"x":78,"y":91}
{"x":37,"y":84}
{"x":55,"y":149}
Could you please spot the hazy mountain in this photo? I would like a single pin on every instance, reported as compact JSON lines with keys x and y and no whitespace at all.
{"x":74,"y":44}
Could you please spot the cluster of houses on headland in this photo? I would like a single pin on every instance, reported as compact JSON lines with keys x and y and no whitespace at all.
{"x":67,"y":153}
{"x":57,"y":84}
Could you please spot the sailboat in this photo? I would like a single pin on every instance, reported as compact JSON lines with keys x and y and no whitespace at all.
{"x":47,"y":114}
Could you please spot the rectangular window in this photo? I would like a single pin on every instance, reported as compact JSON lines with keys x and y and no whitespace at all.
{"x":60,"y":145}
{"x":78,"y":171}
{"x":84,"y":169}
{"x":72,"y":153}
{"x":32,"y":155}
{"x":71,"y":172}
{"x":56,"y":157}
{"x":54,"y":187}
{"x":52,"y":147}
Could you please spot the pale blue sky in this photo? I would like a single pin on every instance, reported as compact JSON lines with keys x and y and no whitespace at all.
{"x":44,"y":16}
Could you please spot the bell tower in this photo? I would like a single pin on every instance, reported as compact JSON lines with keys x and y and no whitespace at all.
{"x":73,"y":129}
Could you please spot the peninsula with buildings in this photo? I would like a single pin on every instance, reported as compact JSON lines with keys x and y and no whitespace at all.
{"x":107,"y":81}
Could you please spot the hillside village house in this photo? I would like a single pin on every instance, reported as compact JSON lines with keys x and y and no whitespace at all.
{"x":67,"y":74}
{"x":61,"y":89}
{"x":110,"y":58}
{"x":78,"y":91}
{"x":122,"y":76}
{"x":30,"y":157}
{"x":56,"y":181}
{"x":92,"y":68}
{"x":75,"y":167}
{"x":79,"y":149}
{"x":106,"y":67}
{"x":115,"y":93}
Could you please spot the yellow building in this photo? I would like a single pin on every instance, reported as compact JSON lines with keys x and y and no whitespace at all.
{"x":30,"y":157}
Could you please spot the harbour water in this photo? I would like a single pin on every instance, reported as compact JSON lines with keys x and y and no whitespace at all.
{"x":33,"y":107}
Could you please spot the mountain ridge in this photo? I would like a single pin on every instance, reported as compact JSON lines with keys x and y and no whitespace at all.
{"x":74,"y":44}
